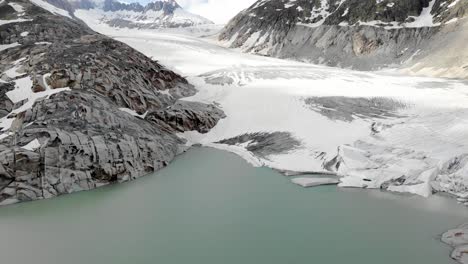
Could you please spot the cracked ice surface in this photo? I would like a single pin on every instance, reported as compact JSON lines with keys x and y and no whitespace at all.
{"x":374,"y":129}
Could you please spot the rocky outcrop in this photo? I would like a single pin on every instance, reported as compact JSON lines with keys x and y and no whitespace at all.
{"x":185,"y":115}
{"x":6,"y":105}
{"x":64,"y":89}
{"x":167,"y":7}
{"x":264,"y":144}
{"x":364,"y":35}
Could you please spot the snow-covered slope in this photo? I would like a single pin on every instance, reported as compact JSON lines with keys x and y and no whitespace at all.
{"x":362,"y":34}
{"x":156,"y":14}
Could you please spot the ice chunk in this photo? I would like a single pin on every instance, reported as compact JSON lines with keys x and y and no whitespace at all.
{"x":312,"y":182}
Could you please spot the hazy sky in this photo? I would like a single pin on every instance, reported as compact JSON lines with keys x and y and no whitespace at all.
{"x":219,"y":11}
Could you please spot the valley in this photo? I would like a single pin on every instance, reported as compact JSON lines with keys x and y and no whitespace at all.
{"x":386,"y":147}
{"x":307,"y":93}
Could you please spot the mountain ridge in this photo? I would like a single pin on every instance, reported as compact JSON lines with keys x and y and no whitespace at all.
{"x":153,"y":15}
{"x":363,"y":35}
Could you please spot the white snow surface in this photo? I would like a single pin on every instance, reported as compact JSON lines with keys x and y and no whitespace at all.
{"x":32,"y":146}
{"x":425,"y":143}
{"x":18,"y":8}
{"x":179,"y":17}
{"x":23,"y":92}
{"x":7,"y":46}
{"x":18,"y":20}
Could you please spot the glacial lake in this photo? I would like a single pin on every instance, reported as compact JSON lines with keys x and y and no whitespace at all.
{"x":211,"y":207}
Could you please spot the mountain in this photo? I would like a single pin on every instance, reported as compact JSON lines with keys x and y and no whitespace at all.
{"x":79,"y":110}
{"x":361,"y":34}
{"x":154,"y":15}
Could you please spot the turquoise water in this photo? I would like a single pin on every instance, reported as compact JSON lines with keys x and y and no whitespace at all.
{"x":212,"y":207}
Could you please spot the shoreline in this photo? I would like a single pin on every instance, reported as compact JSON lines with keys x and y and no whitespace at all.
{"x":460,"y":247}
{"x":451,"y":237}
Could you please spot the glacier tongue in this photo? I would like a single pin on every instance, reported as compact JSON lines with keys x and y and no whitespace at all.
{"x":373,"y":129}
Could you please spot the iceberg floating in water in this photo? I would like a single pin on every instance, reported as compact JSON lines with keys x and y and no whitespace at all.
{"x":313,"y":182}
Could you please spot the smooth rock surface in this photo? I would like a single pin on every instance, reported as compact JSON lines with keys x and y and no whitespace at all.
{"x":63,"y":87}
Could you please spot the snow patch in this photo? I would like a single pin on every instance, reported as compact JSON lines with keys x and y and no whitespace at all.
{"x":18,"y":8}
{"x":18,"y":20}
{"x":133,"y":112}
{"x":32,"y":146}
{"x":7,"y":46}
{"x":454,"y":3}
{"x":42,"y":43}
{"x":425,"y":19}
{"x":23,"y":92}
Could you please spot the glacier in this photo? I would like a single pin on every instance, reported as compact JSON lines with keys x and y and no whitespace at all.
{"x":380,"y":129}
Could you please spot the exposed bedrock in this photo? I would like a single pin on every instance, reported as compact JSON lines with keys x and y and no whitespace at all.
{"x":63,"y":93}
{"x":187,"y":116}
{"x":358,"y":47}
{"x":264,"y":144}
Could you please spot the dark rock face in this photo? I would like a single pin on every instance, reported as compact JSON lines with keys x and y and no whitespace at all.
{"x":264,"y":144}
{"x":6,"y":11}
{"x":83,"y":139}
{"x":167,"y":7}
{"x":110,"y":5}
{"x":153,"y":15}
{"x":6,"y":105}
{"x":185,"y":116}
{"x":362,"y":34}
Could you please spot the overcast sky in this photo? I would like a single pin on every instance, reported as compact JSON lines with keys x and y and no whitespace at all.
{"x":219,"y":11}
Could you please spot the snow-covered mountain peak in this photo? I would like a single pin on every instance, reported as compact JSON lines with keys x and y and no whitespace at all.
{"x":121,"y":14}
{"x":167,"y":6}
{"x":155,"y":14}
